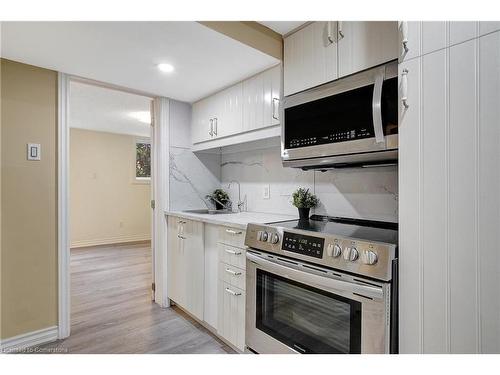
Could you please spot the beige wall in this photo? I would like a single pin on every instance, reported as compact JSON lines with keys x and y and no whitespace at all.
{"x":28,"y":199}
{"x":107,"y":205}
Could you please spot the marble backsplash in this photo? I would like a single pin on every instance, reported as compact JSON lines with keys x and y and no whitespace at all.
{"x":360,"y":193}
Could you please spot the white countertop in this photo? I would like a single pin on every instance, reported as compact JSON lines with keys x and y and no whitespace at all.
{"x":236,"y":220}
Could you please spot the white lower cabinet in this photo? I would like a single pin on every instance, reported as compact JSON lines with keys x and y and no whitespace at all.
{"x":185,"y":265}
{"x":206,"y":274}
{"x":232,"y":314}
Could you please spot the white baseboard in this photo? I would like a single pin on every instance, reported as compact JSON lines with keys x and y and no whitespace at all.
{"x":110,"y":240}
{"x":26,"y":340}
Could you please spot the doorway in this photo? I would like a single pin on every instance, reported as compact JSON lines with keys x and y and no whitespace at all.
{"x":110,"y":221}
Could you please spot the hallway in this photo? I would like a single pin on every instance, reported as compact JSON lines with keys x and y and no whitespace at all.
{"x":112,"y":311}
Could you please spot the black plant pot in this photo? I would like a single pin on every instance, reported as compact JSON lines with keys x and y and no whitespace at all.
{"x":218,"y":206}
{"x":303,"y":213}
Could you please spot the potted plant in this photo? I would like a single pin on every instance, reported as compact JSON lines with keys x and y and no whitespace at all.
{"x":304,"y":201}
{"x":220,"y":199}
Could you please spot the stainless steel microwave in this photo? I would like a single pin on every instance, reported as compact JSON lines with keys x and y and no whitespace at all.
{"x":349,"y":122}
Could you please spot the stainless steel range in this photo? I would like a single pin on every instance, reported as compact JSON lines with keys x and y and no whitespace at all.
{"x":323,"y":285}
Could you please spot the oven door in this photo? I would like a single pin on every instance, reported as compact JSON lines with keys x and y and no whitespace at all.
{"x":293,"y":307}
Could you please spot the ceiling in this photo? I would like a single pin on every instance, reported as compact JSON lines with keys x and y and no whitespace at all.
{"x":282,"y":27}
{"x":102,"y":109}
{"x":127,"y":54}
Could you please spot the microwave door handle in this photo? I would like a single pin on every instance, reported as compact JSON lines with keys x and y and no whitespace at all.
{"x":377,"y":106}
{"x":317,"y":280}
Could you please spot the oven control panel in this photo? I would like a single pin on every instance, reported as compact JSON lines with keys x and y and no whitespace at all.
{"x":372,"y":259}
{"x":301,"y":244}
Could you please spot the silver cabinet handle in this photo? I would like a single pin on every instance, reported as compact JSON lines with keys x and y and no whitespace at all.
{"x":340,"y":31}
{"x":232,"y":252}
{"x":182,"y":222}
{"x":233,"y":292}
{"x":181,"y":237}
{"x":404,"y":88}
{"x":404,"y":36}
{"x":329,"y":32}
{"x":232,"y":231}
{"x":275,"y":112}
{"x":211,"y":131}
{"x":234,"y":273}
{"x":215,"y":126}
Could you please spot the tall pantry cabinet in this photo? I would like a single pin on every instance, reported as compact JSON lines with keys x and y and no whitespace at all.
{"x":449,"y":187}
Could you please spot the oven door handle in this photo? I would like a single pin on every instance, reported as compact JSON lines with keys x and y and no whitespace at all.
{"x":294,"y":272}
{"x":377,"y":106}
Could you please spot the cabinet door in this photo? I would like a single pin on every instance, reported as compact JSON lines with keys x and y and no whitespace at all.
{"x":409,"y":42}
{"x":363,"y":45}
{"x":486,"y":27}
{"x":175,"y":261}
{"x":232,"y":314}
{"x":211,"y":274}
{"x":272,"y":96}
{"x":253,"y":105}
{"x":194,"y":268}
{"x":227,"y":112}
{"x":200,"y":122}
{"x":310,"y":57}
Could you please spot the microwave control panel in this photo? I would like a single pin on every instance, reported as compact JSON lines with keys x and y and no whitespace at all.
{"x":334,"y":137}
{"x":305,"y":245}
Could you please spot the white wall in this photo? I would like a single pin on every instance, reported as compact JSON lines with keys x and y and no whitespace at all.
{"x":360,"y":193}
{"x":192,"y":176}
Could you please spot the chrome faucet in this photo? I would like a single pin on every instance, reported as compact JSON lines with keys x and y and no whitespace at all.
{"x":240,"y":202}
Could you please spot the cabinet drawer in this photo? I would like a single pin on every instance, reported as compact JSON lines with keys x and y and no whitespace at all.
{"x":233,"y":256}
{"x":231,"y":325}
{"x":232,"y":236}
{"x":232,"y":275}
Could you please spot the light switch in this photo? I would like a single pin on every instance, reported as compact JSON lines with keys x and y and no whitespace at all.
{"x":34,"y":150}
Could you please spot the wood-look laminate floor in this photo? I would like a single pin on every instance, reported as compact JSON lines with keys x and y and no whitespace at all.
{"x":112,"y":311}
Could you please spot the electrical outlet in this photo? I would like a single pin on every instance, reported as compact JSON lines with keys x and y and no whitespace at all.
{"x":266,"y":192}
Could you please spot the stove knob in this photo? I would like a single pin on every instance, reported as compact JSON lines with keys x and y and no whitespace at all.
{"x":337,"y":250}
{"x":329,"y":250}
{"x":264,"y":236}
{"x":370,"y":257}
{"x":275,"y":238}
{"x":354,"y":254}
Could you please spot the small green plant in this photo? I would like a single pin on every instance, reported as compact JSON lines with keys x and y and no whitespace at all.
{"x":302,"y":198}
{"x":219,"y":197}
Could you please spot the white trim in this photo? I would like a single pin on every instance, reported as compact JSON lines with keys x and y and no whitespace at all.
{"x":250,"y":136}
{"x":111,"y":240}
{"x":161,"y":150}
{"x":26,"y":340}
{"x":63,"y":253}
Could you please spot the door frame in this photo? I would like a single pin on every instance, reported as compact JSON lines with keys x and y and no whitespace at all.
{"x":159,"y":187}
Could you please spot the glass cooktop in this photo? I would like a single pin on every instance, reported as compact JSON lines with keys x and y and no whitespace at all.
{"x":346,"y":227}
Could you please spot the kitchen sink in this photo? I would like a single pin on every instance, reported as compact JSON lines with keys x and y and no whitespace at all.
{"x":208,"y":212}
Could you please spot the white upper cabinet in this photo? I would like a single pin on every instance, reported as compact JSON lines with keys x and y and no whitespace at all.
{"x":324,"y":51}
{"x":362,"y":45}
{"x":409,"y":40}
{"x":261,"y":98}
{"x":486,"y":27}
{"x":310,"y":57}
{"x":246,"y":106}
{"x":218,"y":115}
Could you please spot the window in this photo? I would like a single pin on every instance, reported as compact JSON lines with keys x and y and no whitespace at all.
{"x":143,"y":160}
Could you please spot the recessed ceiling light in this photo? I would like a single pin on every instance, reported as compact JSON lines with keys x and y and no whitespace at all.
{"x":166,"y":68}
{"x":142,"y":116}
